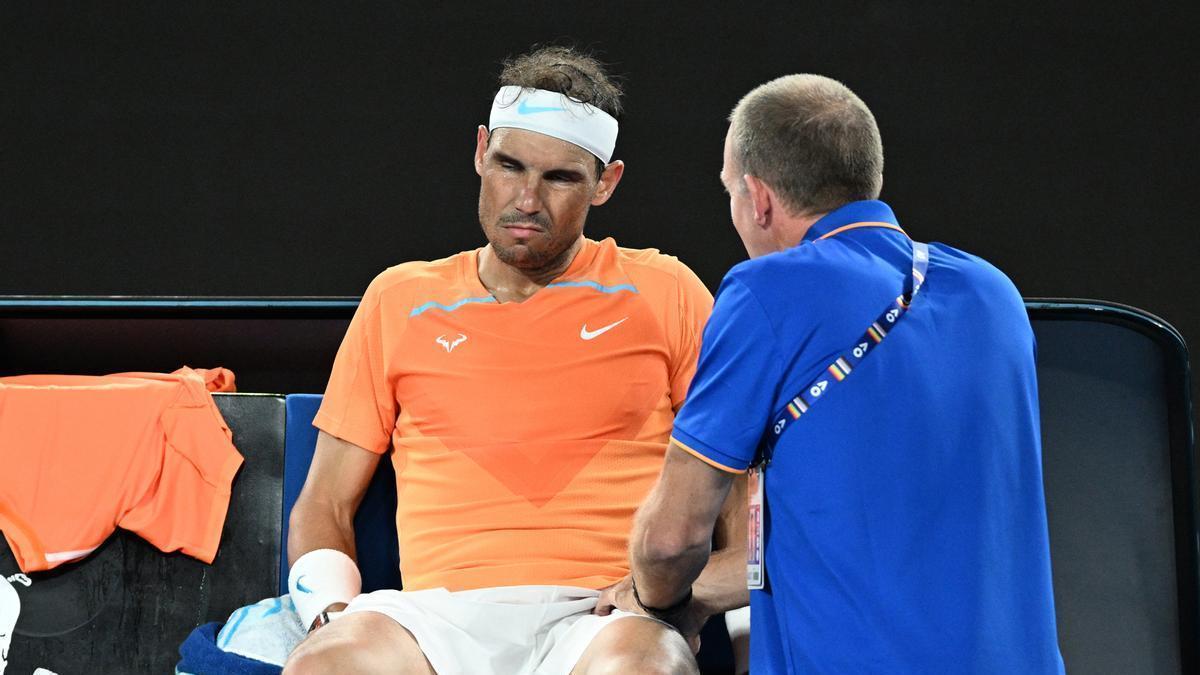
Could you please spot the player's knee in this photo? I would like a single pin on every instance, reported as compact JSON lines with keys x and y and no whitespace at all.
{"x":622,"y":664}
{"x":361,"y":642}
{"x":669,"y":655}
{"x":326,"y":654}
{"x":306,"y":661}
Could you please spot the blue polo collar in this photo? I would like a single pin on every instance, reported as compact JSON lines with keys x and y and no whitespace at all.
{"x":866,"y":211}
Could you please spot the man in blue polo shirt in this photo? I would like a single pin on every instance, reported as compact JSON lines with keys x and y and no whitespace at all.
{"x":891,"y":387}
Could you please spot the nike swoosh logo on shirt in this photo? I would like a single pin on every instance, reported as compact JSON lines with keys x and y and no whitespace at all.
{"x":591,"y":334}
{"x":525,"y":109}
{"x":300,"y":585}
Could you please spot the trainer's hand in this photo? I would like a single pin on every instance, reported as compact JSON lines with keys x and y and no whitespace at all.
{"x":693,"y":621}
{"x":618,"y":596}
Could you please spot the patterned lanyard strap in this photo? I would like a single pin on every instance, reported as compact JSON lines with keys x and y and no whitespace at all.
{"x":841,"y":368}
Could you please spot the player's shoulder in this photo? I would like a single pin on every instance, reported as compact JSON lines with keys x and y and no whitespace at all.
{"x":407,"y":278}
{"x":649,"y":265}
{"x":418,"y":270}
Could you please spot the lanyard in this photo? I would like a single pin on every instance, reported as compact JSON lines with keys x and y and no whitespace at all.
{"x":837,"y":371}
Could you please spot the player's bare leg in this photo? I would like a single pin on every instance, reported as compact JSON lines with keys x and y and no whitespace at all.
{"x":361,"y":642}
{"x":637,"y":645}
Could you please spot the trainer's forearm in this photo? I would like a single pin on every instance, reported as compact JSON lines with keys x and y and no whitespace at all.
{"x":673,"y":530}
{"x":722,"y":585}
{"x":665,"y":563}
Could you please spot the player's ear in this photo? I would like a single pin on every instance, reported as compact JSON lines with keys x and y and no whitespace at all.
{"x":763,"y":198}
{"x":608,"y":181}
{"x":481,"y":144}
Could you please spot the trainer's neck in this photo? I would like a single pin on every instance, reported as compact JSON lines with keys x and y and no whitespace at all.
{"x":507,"y":283}
{"x":791,"y":230}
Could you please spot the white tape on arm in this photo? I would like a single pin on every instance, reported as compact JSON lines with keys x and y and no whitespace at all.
{"x":319,"y":579}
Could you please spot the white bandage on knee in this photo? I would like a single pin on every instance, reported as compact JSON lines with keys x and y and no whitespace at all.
{"x":319,"y":579}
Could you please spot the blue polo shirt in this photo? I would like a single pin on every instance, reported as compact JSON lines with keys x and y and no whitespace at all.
{"x":905,"y":520}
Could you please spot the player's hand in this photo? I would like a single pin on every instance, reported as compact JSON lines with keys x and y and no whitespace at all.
{"x":618,"y":596}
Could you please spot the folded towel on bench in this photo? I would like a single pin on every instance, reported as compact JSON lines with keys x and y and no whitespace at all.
{"x":255,"y":640}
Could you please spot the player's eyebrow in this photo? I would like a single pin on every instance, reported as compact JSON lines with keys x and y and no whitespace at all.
{"x":503,"y":158}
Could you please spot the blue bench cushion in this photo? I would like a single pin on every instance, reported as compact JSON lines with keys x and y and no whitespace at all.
{"x":375,"y":522}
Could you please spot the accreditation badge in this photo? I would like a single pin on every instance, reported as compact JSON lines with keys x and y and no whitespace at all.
{"x":755,"y":572}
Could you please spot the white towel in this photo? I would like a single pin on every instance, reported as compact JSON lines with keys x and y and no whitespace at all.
{"x":266,"y":631}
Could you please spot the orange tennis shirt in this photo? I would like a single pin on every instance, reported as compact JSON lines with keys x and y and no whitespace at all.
{"x":83,"y":455}
{"x":525,"y":434}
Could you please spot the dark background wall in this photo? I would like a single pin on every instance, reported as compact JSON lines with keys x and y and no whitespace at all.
{"x":297,"y":148}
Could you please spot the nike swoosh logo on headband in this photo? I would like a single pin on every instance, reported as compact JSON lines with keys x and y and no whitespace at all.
{"x":525,"y":109}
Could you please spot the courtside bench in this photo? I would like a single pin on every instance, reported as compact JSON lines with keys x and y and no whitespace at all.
{"x":1118,"y":457}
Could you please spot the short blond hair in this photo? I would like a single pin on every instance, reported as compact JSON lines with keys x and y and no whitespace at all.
{"x":811,"y":139}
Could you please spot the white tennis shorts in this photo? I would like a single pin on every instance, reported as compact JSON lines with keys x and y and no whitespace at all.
{"x":539,"y":630}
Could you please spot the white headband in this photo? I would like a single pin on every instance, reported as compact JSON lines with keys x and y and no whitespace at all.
{"x":557,"y":115}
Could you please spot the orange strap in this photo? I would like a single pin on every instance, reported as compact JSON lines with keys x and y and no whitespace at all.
{"x":855,"y":226}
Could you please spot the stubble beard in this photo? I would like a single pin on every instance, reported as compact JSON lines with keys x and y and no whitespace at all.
{"x":530,"y":259}
{"x":527,"y":258}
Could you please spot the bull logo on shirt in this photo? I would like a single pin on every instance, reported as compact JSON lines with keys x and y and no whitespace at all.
{"x":441,"y":340}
